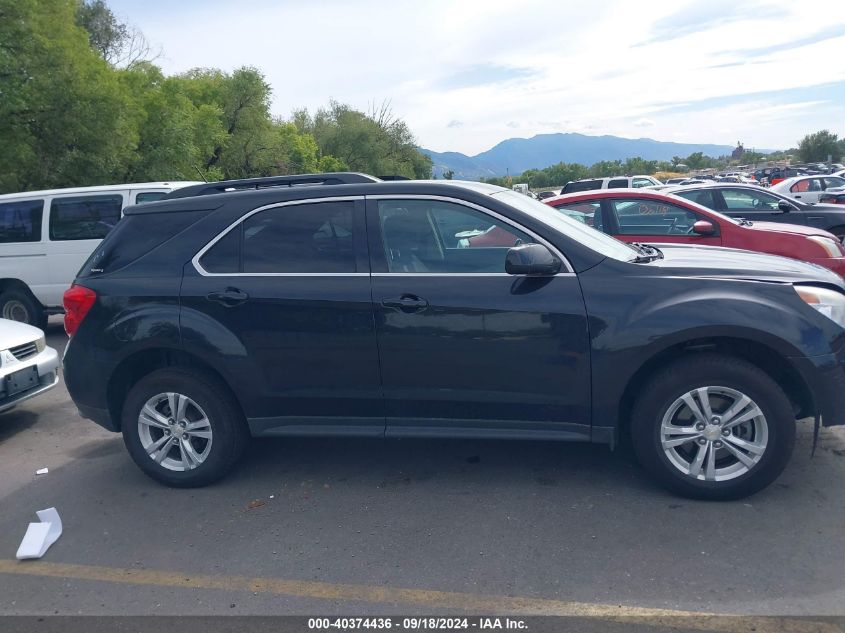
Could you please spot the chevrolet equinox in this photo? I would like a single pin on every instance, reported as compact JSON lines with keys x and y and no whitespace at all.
{"x":345,"y":305}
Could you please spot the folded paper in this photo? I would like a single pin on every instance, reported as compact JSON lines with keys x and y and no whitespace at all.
{"x":40,"y":536}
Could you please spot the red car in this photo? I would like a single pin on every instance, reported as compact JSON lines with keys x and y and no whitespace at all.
{"x":637,"y":215}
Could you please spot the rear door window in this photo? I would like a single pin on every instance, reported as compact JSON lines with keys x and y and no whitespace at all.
{"x":618,"y":183}
{"x":84,"y":217}
{"x":304,"y":238}
{"x":21,"y":221}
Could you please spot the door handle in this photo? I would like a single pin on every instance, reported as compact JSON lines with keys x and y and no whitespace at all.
{"x":406,"y":303}
{"x":230,"y":297}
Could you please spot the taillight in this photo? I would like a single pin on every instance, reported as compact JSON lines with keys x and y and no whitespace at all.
{"x":77,"y":301}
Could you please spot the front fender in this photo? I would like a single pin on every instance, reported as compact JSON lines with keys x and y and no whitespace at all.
{"x":634,"y":319}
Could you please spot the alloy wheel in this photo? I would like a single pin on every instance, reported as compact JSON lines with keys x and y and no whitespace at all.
{"x":175,"y":431}
{"x":714,"y":433}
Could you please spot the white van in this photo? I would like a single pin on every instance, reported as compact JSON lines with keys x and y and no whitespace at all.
{"x":46,"y":236}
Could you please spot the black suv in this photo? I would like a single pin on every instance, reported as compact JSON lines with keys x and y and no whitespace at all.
{"x":755,"y":203}
{"x":417,"y":308}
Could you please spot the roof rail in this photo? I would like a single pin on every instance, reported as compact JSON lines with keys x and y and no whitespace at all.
{"x":247,"y":184}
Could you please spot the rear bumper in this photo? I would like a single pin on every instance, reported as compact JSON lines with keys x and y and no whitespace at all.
{"x":825,"y":377}
{"x":100,"y":416}
{"x":86,"y":380}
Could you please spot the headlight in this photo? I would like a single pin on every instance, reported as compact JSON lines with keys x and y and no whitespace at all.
{"x":832,"y":247}
{"x":40,"y":344}
{"x":829,"y":302}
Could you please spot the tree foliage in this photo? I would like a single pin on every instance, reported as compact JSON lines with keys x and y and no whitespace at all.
{"x":818,"y":146}
{"x":376,"y":143}
{"x":82,"y":104}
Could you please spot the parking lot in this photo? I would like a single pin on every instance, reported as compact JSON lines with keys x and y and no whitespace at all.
{"x":367,"y":526}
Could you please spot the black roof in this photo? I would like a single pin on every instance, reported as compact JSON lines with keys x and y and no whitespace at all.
{"x":246,"y":184}
{"x":207,"y":200}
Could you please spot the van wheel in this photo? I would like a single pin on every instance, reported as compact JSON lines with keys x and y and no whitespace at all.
{"x":19,"y":305}
{"x":183,"y":428}
{"x":713,"y":427}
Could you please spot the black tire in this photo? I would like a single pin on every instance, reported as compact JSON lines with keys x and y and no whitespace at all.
{"x":702,"y":370}
{"x":19,"y":305}
{"x":226,"y":421}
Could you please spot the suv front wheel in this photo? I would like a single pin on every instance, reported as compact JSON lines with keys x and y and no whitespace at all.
{"x":713,"y":427}
{"x":183,"y":429}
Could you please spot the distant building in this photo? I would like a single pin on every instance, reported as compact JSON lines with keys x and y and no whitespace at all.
{"x":738,"y":152}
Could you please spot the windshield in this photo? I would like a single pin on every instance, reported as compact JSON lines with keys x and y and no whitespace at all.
{"x":588,"y":236}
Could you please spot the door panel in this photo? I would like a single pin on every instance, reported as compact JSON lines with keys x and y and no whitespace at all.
{"x":465,"y":348}
{"x":296,"y":325}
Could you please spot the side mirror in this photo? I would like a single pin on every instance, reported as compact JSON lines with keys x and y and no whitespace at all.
{"x":784,"y":206}
{"x":531,"y":259}
{"x":703,"y":227}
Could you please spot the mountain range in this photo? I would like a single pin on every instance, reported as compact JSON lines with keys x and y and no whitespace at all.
{"x":515,"y":155}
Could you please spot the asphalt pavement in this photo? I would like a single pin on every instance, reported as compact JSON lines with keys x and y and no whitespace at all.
{"x":362,"y":526}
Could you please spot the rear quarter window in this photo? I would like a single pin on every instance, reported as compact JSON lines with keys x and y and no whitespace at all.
{"x":136,"y":236}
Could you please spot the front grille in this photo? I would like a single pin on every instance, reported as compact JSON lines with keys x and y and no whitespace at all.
{"x":22,"y":352}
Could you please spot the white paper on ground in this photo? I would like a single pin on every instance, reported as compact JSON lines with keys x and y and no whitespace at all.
{"x":42,"y":471}
{"x":40,"y":536}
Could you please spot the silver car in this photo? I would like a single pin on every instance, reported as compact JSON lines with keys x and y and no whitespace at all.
{"x":27,"y":366}
{"x":809,"y":188}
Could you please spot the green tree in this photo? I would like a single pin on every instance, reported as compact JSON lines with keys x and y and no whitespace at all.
{"x":696,"y":160}
{"x":448,"y":174}
{"x":375,"y":143}
{"x":62,"y":109}
{"x":118,"y":43}
{"x":105,"y":33}
{"x":818,"y":146}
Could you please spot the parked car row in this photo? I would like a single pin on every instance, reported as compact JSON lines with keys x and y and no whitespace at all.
{"x":659,"y":217}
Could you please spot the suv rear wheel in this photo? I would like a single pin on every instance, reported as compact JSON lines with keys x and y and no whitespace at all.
{"x":713,"y":427}
{"x":183,"y":429}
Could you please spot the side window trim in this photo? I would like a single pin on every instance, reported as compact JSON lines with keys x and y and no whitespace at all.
{"x":372,"y":217}
{"x":195,"y":261}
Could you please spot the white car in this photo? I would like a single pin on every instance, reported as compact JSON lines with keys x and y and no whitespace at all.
{"x":615,"y":182}
{"x":28,"y":367}
{"x":46,"y":236}
{"x":809,"y":188}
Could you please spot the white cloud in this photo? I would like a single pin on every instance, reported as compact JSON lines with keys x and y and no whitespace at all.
{"x":546,"y":67}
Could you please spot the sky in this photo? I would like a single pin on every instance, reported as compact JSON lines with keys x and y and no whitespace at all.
{"x":468,"y":74}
